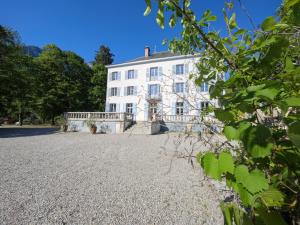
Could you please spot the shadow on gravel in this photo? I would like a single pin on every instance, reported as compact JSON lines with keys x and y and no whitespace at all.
{"x":24,"y":132}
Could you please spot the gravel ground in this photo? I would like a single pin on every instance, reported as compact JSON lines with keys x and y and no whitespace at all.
{"x":79,"y":178}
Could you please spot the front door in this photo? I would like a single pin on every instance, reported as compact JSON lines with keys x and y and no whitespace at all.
{"x":152,"y":110}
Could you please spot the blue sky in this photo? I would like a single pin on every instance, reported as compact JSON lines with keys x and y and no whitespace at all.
{"x":83,"y":25}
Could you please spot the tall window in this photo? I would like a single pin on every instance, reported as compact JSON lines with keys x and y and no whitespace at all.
{"x":130,"y":90}
{"x":204,"y":105}
{"x":179,"y":69}
{"x":153,"y":89}
{"x":114,"y":91}
{"x":153,"y":73}
{"x":130,"y":74}
{"x":179,"y":108}
{"x":129,"y":107}
{"x":204,"y":87}
{"x":179,"y":87}
{"x":113,"y":107}
{"x":114,"y":76}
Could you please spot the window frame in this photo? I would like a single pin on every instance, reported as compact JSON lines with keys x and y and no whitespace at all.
{"x":114,"y":76}
{"x":131,"y":73}
{"x":179,"y":108}
{"x":179,"y":69}
{"x":204,"y":105}
{"x":112,"y":107}
{"x":180,"y":88}
{"x":204,"y":87}
{"x":153,"y":75}
{"x":156,"y":90}
{"x":129,"y":108}
{"x":114,"y":91}
{"x":128,"y":92}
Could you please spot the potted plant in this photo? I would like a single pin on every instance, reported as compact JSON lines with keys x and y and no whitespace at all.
{"x":62,"y":122}
{"x":92,"y":125}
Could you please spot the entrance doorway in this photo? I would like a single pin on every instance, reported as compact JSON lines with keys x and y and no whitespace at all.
{"x":152,"y":110}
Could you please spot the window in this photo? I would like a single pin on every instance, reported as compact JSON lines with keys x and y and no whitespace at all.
{"x":130,"y":90}
{"x":130,"y":74}
{"x":114,"y":76}
{"x":204,"y":87}
{"x":113,"y":107}
{"x":129,"y":107}
{"x":179,"y":69}
{"x":153,"y":89}
{"x":153,"y":73}
{"x":179,"y":87}
{"x":114,"y":91}
{"x":179,"y":108}
{"x":204,"y":105}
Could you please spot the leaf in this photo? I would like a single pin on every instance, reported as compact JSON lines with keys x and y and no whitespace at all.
{"x":210,"y":165}
{"x":240,"y":32}
{"x":254,"y":88}
{"x":160,"y":19}
{"x":268,"y":23}
{"x":148,"y":9}
{"x":245,"y":196}
{"x":269,"y":93}
{"x":240,"y":173}
{"x":294,"y":133}
{"x":256,"y":182}
{"x":226,"y":209}
{"x":272,"y":197}
{"x":211,"y":18}
{"x":258,"y":141}
{"x":232,"y":21}
{"x":292,"y":101}
{"x":225,"y":116}
{"x":226,"y":163}
{"x":172,"y":21}
{"x":231,"y":133}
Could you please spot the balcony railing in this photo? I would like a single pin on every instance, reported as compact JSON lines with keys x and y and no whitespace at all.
{"x":106,"y":116}
{"x":180,"y":118}
{"x":151,"y":96}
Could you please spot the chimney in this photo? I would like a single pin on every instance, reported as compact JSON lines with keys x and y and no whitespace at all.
{"x":147,"y":51}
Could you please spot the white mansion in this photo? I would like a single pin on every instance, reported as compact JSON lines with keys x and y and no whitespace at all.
{"x":156,"y":85}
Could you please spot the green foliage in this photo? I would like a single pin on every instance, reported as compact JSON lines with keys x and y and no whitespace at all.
{"x":259,"y":106}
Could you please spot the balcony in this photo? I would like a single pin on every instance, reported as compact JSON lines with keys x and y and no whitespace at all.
{"x":153,"y":96}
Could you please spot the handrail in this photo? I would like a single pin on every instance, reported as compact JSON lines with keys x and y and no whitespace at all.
{"x":99,"y":116}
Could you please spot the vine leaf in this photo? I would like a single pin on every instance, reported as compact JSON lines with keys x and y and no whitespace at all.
{"x":258,"y":141}
{"x":148,"y":9}
{"x":272,"y":197}
{"x":210,"y":165}
{"x":256,"y":182}
{"x":294,"y":133}
{"x":226,"y":163}
{"x":231,"y":133}
{"x":268,"y":23}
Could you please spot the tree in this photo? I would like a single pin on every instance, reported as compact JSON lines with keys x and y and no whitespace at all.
{"x":259,"y":106}
{"x":63,"y":81}
{"x":99,"y":80}
{"x":98,"y":89}
{"x":104,"y":56}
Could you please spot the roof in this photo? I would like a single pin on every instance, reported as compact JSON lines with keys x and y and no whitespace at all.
{"x":156,"y":55}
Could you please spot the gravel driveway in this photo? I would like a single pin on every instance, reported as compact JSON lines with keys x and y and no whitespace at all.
{"x":79,"y":178}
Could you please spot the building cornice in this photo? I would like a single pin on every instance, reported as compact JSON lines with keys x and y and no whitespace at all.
{"x":152,"y":61}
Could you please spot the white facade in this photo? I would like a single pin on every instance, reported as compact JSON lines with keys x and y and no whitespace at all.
{"x":155,"y":86}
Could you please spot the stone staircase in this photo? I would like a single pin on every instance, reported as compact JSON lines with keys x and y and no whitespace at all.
{"x":143,"y":127}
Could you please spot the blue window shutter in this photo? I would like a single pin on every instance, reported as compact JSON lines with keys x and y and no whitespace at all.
{"x":146,"y":111}
{"x":148,"y":74}
{"x":109,"y":76}
{"x":148,"y":89}
{"x":119,"y":91}
{"x":126,"y":74}
{"x":198,"y":105}
{"x":135,"y":90}
{"x":134,"y":108}
{"x":106,"y":107}
{"x":186,"y":88}
{"x":174,"y":69}
{"x":119,"y":75}
{"x":174,"y":87}
{"x":108,"y":92}
{"x":135,"y":74}
{"x":158,"y":89}
{"x":173,"y":108}
{"x":186,"y":107}
{"x":186,"y":68}
{"x":160,"y":73}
